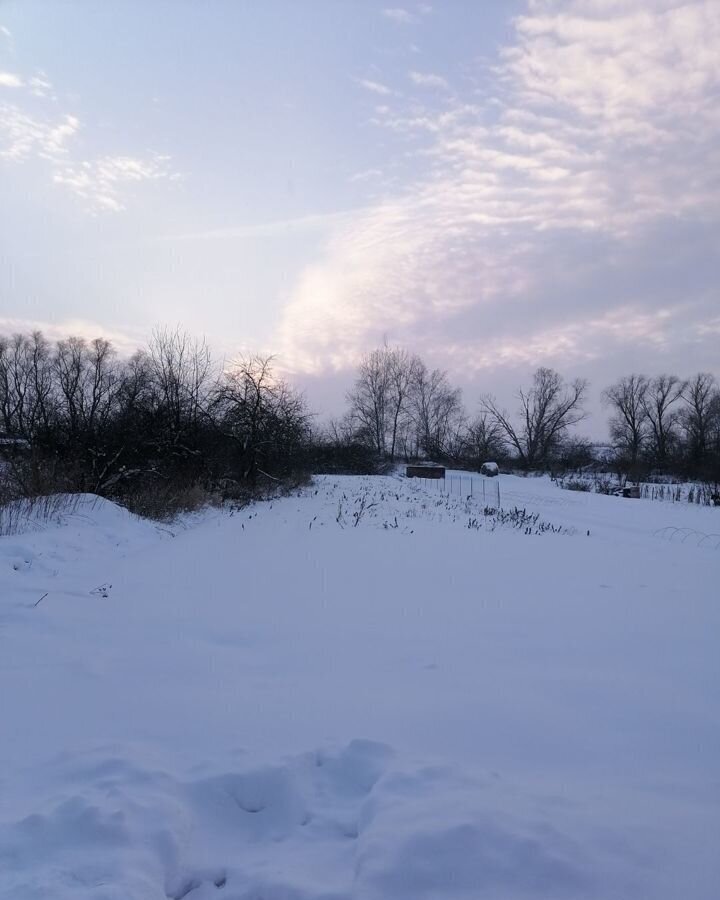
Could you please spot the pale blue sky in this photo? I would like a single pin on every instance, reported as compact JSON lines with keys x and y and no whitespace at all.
{"x":497,"y":185}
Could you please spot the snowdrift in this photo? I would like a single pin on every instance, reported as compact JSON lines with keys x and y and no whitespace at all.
{"x":367,"y":690}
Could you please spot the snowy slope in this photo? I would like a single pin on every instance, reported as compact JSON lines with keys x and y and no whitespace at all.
{"x":369,"y":690}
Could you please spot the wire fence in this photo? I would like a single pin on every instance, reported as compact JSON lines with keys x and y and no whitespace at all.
{"x":691,"y":492}
{"x":688,"y":536}
{"x":485,"y":490}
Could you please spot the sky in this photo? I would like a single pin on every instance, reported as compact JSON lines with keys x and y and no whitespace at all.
{"x":495,"y":184}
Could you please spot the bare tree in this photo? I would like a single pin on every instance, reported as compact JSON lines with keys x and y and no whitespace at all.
{"x":26,"y":384}
{"x":399,"y":406}
{"x":87,"y":378}
{"x":403,"y":371}
{"x":259,"y":412}
{"x":484,"y":440}
{"x":338,"y":448}
{"x":575,"y":453}
{"x":182,"y":370}
{"x":369,"y":398}
{"x":102,"y":383}
{"x":629,"y":419}
{"x":698,"y":417}
{"x":69,"y":366}
{"x":547,"y":410}
{"x":661,"y":395}
{"x":437,"y":411}
{"x":339,"y":432}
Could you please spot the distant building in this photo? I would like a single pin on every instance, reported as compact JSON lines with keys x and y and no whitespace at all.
{"x":13,"y":442}
{"x":425,"y":471}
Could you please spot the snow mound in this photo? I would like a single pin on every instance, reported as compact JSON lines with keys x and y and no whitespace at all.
{"x":347,"y":823}
{"x":111,"y":524}
{"x":52,"y":535}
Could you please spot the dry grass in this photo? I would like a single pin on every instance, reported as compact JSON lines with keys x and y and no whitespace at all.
{"x":23,"y":514}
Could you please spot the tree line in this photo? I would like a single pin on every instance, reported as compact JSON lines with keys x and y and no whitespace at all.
{"x":666,"y":423}
{"x":171,"y":423}
{"x":153,"y":431}
{"x":659,"y":425}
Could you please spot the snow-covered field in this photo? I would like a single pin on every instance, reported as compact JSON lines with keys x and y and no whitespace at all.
{"x":369,"y":690}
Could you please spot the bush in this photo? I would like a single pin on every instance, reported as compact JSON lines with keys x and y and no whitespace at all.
{"x":162,"y":433}
{"x":576,"y":484}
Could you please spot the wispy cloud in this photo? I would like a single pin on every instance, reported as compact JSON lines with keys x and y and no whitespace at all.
{"x":23,"y":136}
{"x":428,"y":79}
{"x":403,"y":16}
{"x":376,"y":87}
{"x":576,"y":342}
{"x":10,"y":79}
{"x":275,"y":228}
{"x":34,"y":127}
{"x":125,"y":341}
{"x":595,"y":140}
{"x":399,"y":15}
{"x":40,"y":86}
{"x":101,"y":182}
{"x":366,"y":175}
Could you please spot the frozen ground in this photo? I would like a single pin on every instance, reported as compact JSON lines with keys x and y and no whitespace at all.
{"x":370,"y":691}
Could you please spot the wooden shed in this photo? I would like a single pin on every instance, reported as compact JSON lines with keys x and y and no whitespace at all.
{"x":425,"y":471}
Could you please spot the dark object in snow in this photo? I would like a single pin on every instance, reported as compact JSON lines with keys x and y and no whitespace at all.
{"x":715,"y":499}
{"x":630,"y":490}
{"x":425,"y":471}
{"x":489,"y":468}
